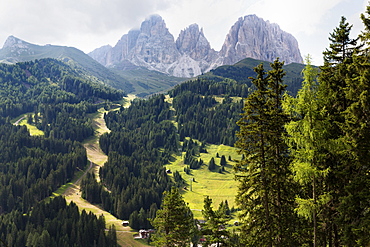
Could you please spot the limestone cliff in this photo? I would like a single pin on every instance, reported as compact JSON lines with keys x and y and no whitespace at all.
{"x":255,"y":38}
{"x":153,"y":47}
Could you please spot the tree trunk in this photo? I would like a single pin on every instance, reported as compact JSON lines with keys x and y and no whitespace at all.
{"x":314,"y":213}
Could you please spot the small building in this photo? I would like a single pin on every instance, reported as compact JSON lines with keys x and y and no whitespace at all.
{"x":144,"y":234}
{"x":125,"y":223}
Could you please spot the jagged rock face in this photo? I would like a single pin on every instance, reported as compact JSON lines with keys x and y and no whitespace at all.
{"x":153,"y":47}
{"x":18,"y":46}
{"x":102,"y":55}
{"x":192,"y":42}
{"x":253,"y":37}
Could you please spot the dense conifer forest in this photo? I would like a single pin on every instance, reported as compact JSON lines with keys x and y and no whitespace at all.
{"x":32,"y":167}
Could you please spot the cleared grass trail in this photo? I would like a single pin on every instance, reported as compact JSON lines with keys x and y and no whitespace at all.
{"x":97,"y":159}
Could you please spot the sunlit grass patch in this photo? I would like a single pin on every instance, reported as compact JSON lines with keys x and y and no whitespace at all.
{"x":219,"y":186}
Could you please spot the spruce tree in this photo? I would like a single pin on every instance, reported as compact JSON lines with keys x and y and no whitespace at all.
{"x":265,"y":192}
{"x":343,"y":79}
{"x":212,"y":164}
{"x":354,"y":217}
{"x":214,"y":227}
{"x":174,"y":223}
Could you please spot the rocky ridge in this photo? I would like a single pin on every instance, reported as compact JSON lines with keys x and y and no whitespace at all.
{"x":154,"y":47}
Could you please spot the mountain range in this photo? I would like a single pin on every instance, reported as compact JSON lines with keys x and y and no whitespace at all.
{"x":154,"y":47}
{"x":148,"y":60}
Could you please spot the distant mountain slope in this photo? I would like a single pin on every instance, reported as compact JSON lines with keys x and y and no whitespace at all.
{"x":125,"y":76}
{"x":242,"y":70}
{"x":16,"y":50}
{"x":148,"y":82}
{"x":154,"y":47}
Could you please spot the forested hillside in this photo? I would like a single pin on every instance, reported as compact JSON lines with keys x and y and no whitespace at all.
{"x":144,"y":137}
{"x":243,"y":70}
{"x":32,"y":167}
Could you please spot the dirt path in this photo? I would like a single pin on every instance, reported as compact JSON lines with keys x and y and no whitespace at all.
{"x":97,"y":159}
{"x":17,"y":122}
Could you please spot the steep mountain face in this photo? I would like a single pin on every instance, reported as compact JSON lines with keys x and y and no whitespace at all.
{"x":153,"y":47}
{"x":253,"y":37}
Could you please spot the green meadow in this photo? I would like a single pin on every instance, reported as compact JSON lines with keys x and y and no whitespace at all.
{"x":219,"y":186}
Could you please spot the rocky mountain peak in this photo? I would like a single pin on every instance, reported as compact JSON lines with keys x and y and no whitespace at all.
{"x":191,"y":41}
{"x":154,"y":26}
{"x":253,"y":37}
{"x":12,"y":41}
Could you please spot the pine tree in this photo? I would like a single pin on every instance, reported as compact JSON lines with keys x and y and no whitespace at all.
{"x":174,"y":222}
{"x":343,"y":78}
{"x":342,"y":46}
{"x":214,"y":227}
{"x":212,"y":164}
{"x":223,"y":161}
{"x":355,"y":148}
{"x":265,"y":186}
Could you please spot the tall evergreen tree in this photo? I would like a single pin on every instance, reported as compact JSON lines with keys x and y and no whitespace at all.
{"x":265,"y":187}
{"x":307,"y":140}
{"x":342,"y":46}
{"x":343,"y":78}
{"x":355,"y":148}
{"x":174,"y":222}
{"x":214,"y":228}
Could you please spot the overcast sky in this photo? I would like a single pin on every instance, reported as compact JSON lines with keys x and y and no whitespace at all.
{"x":89,"y":24}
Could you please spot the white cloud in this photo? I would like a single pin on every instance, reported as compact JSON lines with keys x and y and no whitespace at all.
{"x":295,"y":15}
{"x":88,"y":24}
{"x":58,"y":22}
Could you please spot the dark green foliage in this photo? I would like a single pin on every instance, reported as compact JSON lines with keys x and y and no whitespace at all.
{"x":345,"y":82}
{"x":174,"y":222}
{"x":214,"y":228}
{"x":178,"y":179}
{"x":202,"y":118}
{"x":67,"y":121}
{"x":265,"y":193}
{"x":94,"y":192}
{"x":140,"y":143}
{"x":32,"y":167}
{"x":139,"y":219}
{"x":55,"y":224}
{"x":212,"y":164}
{"x":27,"y":85}
{"x":209,"y":87}
{"x":223,"y":161}
{"x":243,"y":70}
{"x":192,"y":149}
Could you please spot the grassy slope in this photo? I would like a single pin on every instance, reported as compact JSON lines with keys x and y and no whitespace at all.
{"x":22,"y":120}
{"x":218,"y":186}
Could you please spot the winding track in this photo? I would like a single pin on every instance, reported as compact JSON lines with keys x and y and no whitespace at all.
{"x":97,"y":159}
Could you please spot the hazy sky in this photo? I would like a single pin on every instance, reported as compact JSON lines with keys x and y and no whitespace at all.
{"x":89,"y":24}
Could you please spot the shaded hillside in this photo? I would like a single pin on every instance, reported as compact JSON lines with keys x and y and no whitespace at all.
{"x":242,"y":70}
{"x":146,"y":82}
